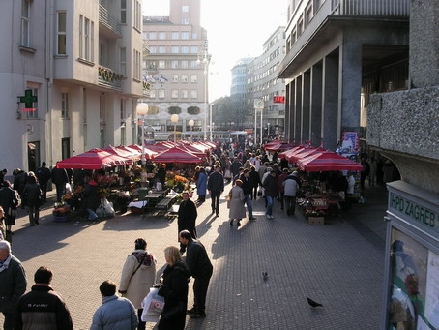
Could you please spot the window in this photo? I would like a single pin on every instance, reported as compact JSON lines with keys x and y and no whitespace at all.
{"x":185,"y":35}
{"x":25,"y":22}
{"x":152,"y":36}
{"x":174,"y":64}
{"x":185,"y":9}
{"x":152,"y":94}
{"x":194,"y":50}
{"x":174,"y":49}
{"x":123,"y":109}
{"x":184,"y":78}
{"x":162,"y":35}
{"x":174,"y":94}
{"x":184,"y":64}
{"x":153,"y":49}
{"x":161,"y":64}
{"x":194,"y":65}
{"x":174,"y":35}
{"x":33,"y":114}
{"x":194,"y":78}
{"x":162,"y":49}
{"x":86,"y":39}
{"x":123,"y":11}
{"x":184,"y":93}
{"x":161,"y":93}
{"x":65,"y":105}
{"x":193,"y":93}
{"x":61,"y":40}
{"x":137,"y":15}
{"x":123,"y":61}
{"x":137,"y":63}
{"x":185,"y":21}
{"x":175,"y":78}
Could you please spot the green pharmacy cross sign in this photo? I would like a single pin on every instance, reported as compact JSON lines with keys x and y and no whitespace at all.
{"x":28,"y":99}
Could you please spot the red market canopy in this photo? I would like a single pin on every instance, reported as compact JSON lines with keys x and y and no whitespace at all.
{"x":92,"y":159}
{"x":305,"y":152}
{"x":328,"y":161}
{"x":286,"y":154}
{"x":279,"y":146}
{"x":177,"y":155}
{"x":123,"y":153}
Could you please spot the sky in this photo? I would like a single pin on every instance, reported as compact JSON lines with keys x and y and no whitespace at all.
{"x":235,"y":29}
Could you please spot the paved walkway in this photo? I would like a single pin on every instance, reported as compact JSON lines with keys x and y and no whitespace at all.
{"x":339,"y":264}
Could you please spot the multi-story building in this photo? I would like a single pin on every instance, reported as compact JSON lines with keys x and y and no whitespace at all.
{"x":239,"y":94}
{"x":264,"y":84}
{"x":177,"y":68}
{"x":70,"y":78}
{"x":338,"y":52}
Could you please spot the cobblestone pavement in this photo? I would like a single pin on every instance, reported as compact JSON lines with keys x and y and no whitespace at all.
{"x":339,"y":264}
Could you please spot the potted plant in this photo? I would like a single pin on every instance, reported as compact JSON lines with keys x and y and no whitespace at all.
{"x":61,"y":211}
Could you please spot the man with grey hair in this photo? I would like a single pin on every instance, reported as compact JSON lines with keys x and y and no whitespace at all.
{"x":12,"y":283}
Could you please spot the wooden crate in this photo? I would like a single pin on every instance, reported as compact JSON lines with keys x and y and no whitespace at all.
{"x":316,"y":220}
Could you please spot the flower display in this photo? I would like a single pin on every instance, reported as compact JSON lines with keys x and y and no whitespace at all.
{"x":61,"y":209}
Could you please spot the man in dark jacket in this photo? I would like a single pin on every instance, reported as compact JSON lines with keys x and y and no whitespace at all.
{"x":43,"y":175}
{"x":12,"y":283}
{"x":271,"y":192}
{"x":42,"y":307}
{"x":59,"y":178}
{"x":201,"y":270}
{"x":215,"y":185}
{"x":187,"y":214}
{"x":247,"y":188}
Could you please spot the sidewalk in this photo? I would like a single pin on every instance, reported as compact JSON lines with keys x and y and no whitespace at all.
{"x":339,"y":264}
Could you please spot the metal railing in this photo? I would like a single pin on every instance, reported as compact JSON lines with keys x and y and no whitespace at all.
{"x":371,"y":7}
{"x":109,"y":21}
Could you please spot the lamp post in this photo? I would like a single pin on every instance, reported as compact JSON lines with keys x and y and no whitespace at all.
{"x":142,"y":110}
{"x":211,"y":131}
{"x":258,"y":104}
{"x":174,"y":120}
{"x":191,"y":124}
{"x":205,"y":59}
{"x":268,"y":130}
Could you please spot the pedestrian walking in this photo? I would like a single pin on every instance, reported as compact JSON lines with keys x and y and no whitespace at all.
{"x":9,"y":202}
{"x":237,"y":203}
{"x":2,"y":224}
{"x":175,"y":290}
{"x":43,"y":176}
{"x":32,"y":199}
{"x":187,"y":215}
{"x":280,"y":187}
{"x":20,"y":180}
{"x":60,"y":178}
{"x":291,"y":185}
{"x":12,"y":284}
{"x":42,"y":307}
{"x":201,"y":269}
{"x":255,"y":181}
{"x":271,"y":192}
{"x":138,"y":275}
{"x":115,"y":312}
{"x":201,"y":185}
{"x":247,"y":188}
{"x":215,"y":185}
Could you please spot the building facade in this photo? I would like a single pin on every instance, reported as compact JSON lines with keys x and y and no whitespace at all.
{"x":70,"y":78}
{"x":338,"y":52}
{"x":265,"y":84}
{"x":176,"y":69}
{"x":239,"y":94}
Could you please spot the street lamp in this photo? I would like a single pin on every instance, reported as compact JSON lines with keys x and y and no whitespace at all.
{"x":205,"y":59}
{"x":211,"y":131}
{"x":268,"y":130}
{"x":258,"y":104}
{"x":191,"y":124}
{"x":174,"y":120}
{"x":142,"y":110}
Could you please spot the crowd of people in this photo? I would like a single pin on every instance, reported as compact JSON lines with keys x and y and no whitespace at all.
{"x":251,"y":174}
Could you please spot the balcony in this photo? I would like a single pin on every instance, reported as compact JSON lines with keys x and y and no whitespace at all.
{"x":110,"y":79}
{"x":109,"y":25}
{"x":319,"y":27}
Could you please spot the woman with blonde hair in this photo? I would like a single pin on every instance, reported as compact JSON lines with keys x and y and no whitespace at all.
{"x":175,"y":290}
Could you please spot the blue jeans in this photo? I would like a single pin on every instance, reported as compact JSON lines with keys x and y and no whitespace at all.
{"x":248,"y":201}
{"x":270,"y":202}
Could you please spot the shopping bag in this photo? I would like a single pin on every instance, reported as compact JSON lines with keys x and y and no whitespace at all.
{"x":228,"y":201}
{"x":105,"y":210}
{"x":152,"y":306}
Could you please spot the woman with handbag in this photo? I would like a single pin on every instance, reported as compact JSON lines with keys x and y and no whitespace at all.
{"x":138,"y":275}
{"x":9,"y":202}
{"x":175,"y":290}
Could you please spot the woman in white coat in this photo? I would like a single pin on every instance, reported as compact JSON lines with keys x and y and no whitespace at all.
{"x":237,"y":206}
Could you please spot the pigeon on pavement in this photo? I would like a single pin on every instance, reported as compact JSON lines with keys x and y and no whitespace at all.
{"x":312,"y":303}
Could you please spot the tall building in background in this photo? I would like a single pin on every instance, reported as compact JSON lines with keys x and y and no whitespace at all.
{"x":264,"y":84}
{"x":176,"y":69}
{"x":239,"y":94}
{"x":70,"y":78}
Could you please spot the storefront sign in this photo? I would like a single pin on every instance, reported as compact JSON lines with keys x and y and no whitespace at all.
{"x":413,"y":211}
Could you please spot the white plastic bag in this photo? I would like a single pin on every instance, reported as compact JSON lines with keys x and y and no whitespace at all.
{"x":105,"y":210}
{"x":152,"y":306}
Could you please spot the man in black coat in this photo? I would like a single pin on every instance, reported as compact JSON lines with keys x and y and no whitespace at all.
{"x":59,"y":178}
{"x":187,"y":214}
{"x":247,"y":186}
{"x":42,"y":303}
{"x":43,"y":175}
{"x":215,"y":185}
{"x":201,"y":270}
